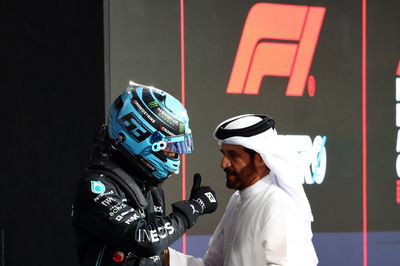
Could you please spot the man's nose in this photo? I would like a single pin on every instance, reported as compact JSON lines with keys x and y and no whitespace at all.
{"x":225,"y":163}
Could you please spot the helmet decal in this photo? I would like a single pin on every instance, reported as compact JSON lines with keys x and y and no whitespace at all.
{"x":137,"y":131}
{"x":97,"y":187}
{"x":154,"y":113}
{"x":152,"y":104}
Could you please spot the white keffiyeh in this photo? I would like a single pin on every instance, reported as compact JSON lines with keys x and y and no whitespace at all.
{"x":279,"y":158}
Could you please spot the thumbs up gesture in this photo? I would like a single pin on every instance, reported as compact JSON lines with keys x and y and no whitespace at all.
{"x":202,"y":200}
{"x":203,"y":195}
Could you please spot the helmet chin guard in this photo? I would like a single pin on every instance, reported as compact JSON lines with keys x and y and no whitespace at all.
{"x":152,"y":123}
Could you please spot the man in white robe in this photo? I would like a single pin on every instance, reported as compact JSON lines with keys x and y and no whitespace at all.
{"x":268,"y":219}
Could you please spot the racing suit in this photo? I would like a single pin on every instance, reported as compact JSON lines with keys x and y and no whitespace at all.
{"x":120,"y":221}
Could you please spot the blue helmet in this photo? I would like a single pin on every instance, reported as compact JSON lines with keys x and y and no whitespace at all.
{"x":149,"y":123}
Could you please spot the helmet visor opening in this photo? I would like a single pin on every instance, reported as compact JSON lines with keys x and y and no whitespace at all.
{"x":182,"y":144}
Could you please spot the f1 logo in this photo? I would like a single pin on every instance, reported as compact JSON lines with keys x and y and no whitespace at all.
{"x":398,"y":70}
{"x":277,"y":40}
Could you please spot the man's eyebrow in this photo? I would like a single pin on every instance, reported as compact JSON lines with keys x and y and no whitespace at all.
{"x":233,"y":152}
{"x":230,"y":152}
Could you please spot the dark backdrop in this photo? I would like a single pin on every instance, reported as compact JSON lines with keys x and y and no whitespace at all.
{"x":52,"y":101}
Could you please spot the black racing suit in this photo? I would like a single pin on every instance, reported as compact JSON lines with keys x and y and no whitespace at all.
{"x":116,"y":226}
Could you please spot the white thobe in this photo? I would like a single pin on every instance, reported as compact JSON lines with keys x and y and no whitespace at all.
{"x":261,"y":226}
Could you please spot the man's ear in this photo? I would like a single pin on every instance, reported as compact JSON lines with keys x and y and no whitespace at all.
{"x":259,"y":163}
{"x":258,"y":160}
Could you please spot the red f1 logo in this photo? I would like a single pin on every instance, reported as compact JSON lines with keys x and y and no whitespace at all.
{"x":277,"y":40}
{"x":398,"y":191}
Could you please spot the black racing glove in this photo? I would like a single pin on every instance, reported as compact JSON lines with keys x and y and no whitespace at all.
{"x":204,"y":195}
{"x":202,"y":200}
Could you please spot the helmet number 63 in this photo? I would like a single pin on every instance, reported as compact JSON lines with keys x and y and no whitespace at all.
{"x":139,"y":132}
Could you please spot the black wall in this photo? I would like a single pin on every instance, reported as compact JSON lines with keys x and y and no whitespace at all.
{"x":52,"y":101}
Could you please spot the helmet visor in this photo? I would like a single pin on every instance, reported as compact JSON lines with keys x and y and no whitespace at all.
{"x":182,"y":144}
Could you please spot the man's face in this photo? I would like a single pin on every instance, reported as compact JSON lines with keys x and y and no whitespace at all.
{"x":239,"y":166}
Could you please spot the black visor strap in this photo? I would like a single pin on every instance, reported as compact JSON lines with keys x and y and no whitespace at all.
{"x":265,"y":124}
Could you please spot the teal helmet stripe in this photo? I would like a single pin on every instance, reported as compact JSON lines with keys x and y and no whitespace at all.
{"x":160,"y":118}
